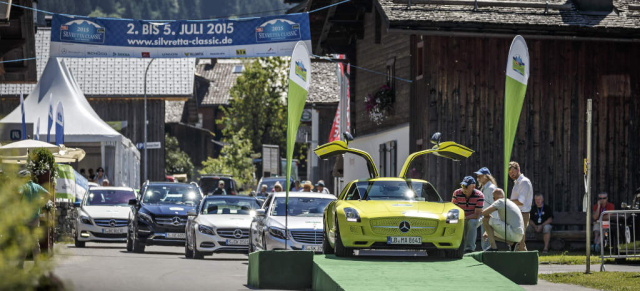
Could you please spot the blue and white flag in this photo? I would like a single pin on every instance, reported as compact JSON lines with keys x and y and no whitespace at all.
{"x":217,"y":38}
{"x":59,"y":124}
{"x":24,"y":124}
{"x":37,"y":133}
{"x":50,"y":117}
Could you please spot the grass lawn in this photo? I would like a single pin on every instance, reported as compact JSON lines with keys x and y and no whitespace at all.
{"x":575,"y":258}
{"x":597,"y":280}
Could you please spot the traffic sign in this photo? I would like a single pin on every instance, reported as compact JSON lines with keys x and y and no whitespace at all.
{"x":150,"y":145}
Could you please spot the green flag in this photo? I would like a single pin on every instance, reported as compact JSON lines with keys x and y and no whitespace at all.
{"x":299,"y":80}
{"x":514,"y":91}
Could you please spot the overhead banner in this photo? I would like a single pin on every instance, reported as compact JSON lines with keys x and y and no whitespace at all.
{"x":218,"y":38}
{"x":514,"y":91}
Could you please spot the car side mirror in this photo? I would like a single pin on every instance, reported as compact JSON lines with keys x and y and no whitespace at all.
{"x":192,"y":212}
{"x":260,"y":212}
{"x":77,"y":204}
{"x":133,"y":202}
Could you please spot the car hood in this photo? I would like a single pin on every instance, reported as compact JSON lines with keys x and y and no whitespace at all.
{"x":297,"y":222}
{"x":395,"y":208}
{"x":117,"y":212}
{"x":169,"y":209}
{"x":225,"y":220}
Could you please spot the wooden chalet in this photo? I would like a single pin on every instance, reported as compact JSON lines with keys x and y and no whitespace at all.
{"x":453,"y":56}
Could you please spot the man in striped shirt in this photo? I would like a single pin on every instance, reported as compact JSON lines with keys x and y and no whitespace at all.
{"x":471,"y":202}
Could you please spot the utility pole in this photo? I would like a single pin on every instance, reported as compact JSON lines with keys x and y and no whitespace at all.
{"x":146,"y":123}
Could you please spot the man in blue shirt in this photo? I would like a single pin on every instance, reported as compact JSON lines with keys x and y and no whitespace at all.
{"x":34,"y":194}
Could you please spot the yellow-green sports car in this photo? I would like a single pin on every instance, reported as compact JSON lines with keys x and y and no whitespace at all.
{"x":393,"y":212}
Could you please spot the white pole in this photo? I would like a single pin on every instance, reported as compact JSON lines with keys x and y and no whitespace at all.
{"x":146,"y":123}
{"x":588,"y":173}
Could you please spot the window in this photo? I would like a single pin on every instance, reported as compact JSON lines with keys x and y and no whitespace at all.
{"x":391,"y":73}
{"x":420,"y":60}
{"x":238,"y":69}
{"x":388,"y":159}
{"x":378,"y":24}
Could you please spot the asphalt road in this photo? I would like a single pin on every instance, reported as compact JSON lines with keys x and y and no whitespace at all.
{"x":111,"y":267}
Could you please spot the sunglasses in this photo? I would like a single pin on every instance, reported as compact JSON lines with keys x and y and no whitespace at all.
{"x":602,"y":198}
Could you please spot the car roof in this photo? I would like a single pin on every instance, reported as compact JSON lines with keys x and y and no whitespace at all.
{"x":304,"y":194}
{"x":213,"y":197}
{"x":111,"y":188}
{"x":168,"y":184}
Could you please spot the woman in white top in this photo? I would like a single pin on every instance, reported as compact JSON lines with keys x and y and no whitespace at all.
{"x":488,"y":185}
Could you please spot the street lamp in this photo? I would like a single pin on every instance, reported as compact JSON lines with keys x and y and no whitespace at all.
{"x":146,"y":176}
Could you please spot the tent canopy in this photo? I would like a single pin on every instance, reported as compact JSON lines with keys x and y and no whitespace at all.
{"x":81,"y":123}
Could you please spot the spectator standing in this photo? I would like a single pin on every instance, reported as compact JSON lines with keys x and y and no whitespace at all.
{"x":277,"y":187}
{"x":320,"y":187}
{"x":83,"y":173}
{"x":34,"y":193}
{"x":488,"y":185}
{"x":220,"y":190}
{"x":307,"y":186}
{"x":91,"y":175}
{"x":541,"y":219}
{"x":601,"y":206}
{"x":495,"y":226}
{"x":296,"y":186}
{"x":471,"y":201}
{"x":100,"y":176}
{"x":521,"y":195}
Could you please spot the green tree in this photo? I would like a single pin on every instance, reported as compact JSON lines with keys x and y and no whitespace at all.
{"x":235,"y":160}
{"x":176,"y":161}
{"x":257,"y":104}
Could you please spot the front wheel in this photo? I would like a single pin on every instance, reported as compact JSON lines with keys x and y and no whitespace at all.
{"x":326,"y":246}
{"x":129,"y":241}
{"x":187,"y":252}
{"x":251,"y":247}
{"x":138,"y":247}
{"x":459,"y":252}
{"x":198,"y":255}
{"x":341,"y":250}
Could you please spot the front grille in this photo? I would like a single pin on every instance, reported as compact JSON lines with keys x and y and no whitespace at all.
{"x":391,"y":226}
{"x":228,"y":232}
{"x":169,"y":220}
{"x":308,"y":237}
{"x":109,"y":235}
{"x":106,"y":222}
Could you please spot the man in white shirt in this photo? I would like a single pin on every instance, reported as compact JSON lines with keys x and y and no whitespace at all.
{"x":495,"y":226}
{"x":488,"y":183}
{"x":521,"y":195}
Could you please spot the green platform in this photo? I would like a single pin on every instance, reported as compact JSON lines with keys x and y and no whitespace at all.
{"x":380,"y":273}
{"x":280,"y":270}
{"x":519,"y":267}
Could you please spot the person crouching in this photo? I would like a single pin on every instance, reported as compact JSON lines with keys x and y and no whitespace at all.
{"x":495,"y":227}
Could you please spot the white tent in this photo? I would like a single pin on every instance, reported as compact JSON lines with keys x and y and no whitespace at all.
{"x":82,"y":125}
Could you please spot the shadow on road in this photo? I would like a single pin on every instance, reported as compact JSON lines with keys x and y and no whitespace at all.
{"x":95,"y":247}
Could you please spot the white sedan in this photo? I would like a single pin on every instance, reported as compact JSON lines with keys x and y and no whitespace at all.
{"x":304,"y":222}
{"x":103,"y":215}
{"x":219,"y":224}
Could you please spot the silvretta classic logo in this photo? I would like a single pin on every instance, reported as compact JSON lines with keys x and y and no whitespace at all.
{"x":278,"y":30}
{"x":517,"y":64}
{"x":82,"y":31}
{"x":241,"y":52}
{"x":301,"y":71}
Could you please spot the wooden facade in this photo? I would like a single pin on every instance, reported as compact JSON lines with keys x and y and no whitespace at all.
{"x":457,"y":88}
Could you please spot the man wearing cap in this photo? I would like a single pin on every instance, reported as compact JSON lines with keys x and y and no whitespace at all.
{"x":220,"y":190}
{"x":521,"y":195}
{"x":320,"y":187}
{"x":471,"y":201}
{"x":488,"y":185}
{"x":495,"y":226}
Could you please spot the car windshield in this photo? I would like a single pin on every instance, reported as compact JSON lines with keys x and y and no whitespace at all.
{"x":393,"y":190}
{"x":300,"y":206}
{"x":172,"y":194}
{"x":108,"y":197}
{"x":229,"y":206}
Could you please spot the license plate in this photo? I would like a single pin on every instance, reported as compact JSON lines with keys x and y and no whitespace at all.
{"x":237,"y":242}
{"x":404,"y":240}
{"x":114,"y":230}
{"x":176,"y":235}
{"x":312,"y":248}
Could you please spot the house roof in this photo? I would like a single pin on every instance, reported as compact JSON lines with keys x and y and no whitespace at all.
{"x":622,"y":22}
{"x":221,"y":77}
{"x":113,"y":77}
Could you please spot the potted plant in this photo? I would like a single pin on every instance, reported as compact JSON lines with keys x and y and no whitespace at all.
{"x":380,"y":103}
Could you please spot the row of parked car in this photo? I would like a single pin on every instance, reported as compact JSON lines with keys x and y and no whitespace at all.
{"x":176,"y":214}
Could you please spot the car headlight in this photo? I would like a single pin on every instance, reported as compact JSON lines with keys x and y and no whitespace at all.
{"x":453,"y":216}
{"x":206,"y":230}
{"x":145,"y":217}
{"x":351,"y":214}
{"x":85,"y":219}
{"x":277,"y":232}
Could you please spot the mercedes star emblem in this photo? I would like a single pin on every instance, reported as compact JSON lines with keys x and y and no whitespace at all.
{"x":176,"y":220}
{"x":404,"y":226}
{"x":237,"y":233}
{"x":112,"y":223}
